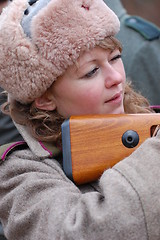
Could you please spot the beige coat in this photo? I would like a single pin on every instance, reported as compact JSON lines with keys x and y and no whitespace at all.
{"x":38,"y":202}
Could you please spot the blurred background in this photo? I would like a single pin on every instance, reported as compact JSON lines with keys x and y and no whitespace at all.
{"x":148,"y":9}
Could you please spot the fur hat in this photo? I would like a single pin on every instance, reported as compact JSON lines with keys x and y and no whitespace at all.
{"x":38,"y":47}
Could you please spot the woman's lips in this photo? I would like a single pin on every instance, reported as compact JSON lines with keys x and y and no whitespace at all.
{"x":117,"y":98}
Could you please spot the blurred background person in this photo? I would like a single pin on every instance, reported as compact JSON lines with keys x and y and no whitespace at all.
{"x":141,"y":51}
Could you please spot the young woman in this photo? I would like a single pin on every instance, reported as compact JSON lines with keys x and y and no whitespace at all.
{"x":65,"y":61}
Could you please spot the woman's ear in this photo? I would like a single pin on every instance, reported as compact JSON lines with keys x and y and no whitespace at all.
{"x":45,"y":102}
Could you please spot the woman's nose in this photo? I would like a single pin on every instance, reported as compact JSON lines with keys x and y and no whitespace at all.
{"x":112,"y":76}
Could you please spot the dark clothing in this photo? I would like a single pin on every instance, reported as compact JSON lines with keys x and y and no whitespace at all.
{"x":8,"y":131}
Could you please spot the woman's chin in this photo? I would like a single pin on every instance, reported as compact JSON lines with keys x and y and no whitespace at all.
{"x":118,"y":111}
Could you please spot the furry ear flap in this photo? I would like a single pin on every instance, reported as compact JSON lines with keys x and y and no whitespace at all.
{"x":26,"y":74}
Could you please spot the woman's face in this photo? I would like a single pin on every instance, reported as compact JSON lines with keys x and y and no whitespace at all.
{"x":95,"y":85}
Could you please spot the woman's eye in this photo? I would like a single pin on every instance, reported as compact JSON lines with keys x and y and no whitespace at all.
{"x":116,"y":57}
{"x":91,"y":73}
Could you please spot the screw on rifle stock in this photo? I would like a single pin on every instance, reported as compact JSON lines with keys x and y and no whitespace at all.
{"x":130,"y":139}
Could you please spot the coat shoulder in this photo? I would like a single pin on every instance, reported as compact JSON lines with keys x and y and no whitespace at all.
{"x":145,"y":28}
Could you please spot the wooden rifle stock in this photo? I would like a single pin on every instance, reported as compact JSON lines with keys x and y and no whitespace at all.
{"x":94,"y":143}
